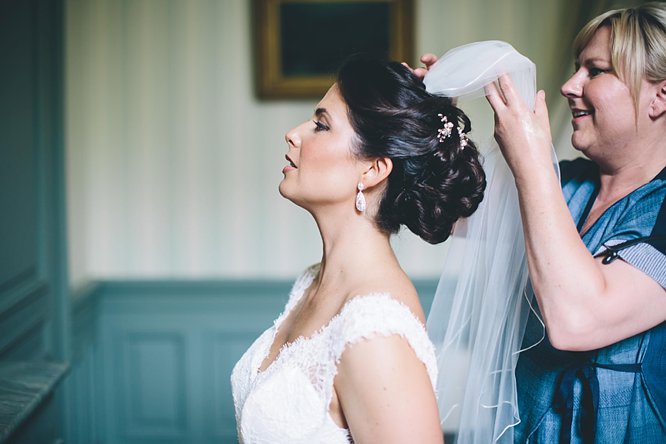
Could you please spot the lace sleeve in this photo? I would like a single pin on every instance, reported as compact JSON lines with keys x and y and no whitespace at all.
{"x":380,"y":314}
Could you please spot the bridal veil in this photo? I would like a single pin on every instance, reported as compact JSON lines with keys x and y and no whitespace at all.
{"x":481,"y":306}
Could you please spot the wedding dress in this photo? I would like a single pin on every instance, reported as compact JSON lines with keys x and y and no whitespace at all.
{"x":288,"y":402}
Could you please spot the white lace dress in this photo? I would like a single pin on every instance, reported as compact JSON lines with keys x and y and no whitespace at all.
{"x":289,"y":401}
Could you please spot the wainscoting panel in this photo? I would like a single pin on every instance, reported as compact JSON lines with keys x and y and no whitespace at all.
{"x":155,"y":403}
{"x":83,"y":406}
{"x":33,"y":256}
{"x":82,"y":386}
{"x":22,"y":319}
{"x":29,"y":128}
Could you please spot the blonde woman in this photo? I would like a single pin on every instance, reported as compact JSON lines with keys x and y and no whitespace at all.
{"x":599,"y":277}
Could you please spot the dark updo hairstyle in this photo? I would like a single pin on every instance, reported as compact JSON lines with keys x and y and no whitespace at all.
{"x":433,"y":183}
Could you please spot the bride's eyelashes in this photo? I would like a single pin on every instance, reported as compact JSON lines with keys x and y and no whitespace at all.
{"x":319,"y":126}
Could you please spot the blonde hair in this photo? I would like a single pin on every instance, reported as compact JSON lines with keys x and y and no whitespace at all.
{"x":637,"y":43}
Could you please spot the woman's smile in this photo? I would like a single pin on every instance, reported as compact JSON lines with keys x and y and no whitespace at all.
{"x":579,"y":114}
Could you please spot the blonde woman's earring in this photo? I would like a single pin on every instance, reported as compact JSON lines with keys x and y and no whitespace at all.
{"x":360,"y":198}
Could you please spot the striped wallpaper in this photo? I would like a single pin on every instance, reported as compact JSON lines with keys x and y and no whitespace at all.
{"x":173,"y":164}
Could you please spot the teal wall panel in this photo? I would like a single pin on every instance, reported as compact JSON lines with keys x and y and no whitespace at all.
{"x":34,"y":300}
{"x":152,"y":396}
{"x":25,"y":310}
{"x":20,"y":263}
{"x":18,"y":142}
{"x":82,"y":389}
{"x":83,"y":406}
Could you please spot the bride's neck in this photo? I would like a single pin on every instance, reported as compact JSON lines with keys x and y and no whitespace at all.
{"x":351,"y":250}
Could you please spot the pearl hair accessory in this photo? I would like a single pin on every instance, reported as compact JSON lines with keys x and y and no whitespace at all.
{"x":447,"y":129}
{"x":360,"y":198}
{"x":463,"y":138}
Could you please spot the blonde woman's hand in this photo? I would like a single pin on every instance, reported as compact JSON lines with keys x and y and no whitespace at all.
{"x":522,"y":134}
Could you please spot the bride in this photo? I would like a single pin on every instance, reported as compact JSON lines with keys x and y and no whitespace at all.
{"x":349,"y":358}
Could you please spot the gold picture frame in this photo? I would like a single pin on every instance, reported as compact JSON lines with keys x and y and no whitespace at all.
{"x":300,"y":43}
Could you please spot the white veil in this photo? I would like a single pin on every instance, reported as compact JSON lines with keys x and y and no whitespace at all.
{"x":480,"y":309}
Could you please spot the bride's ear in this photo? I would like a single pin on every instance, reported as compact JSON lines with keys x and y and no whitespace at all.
{"x":377,"y":170}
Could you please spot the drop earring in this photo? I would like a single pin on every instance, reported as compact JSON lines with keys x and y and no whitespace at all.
{"x":360,"y":198}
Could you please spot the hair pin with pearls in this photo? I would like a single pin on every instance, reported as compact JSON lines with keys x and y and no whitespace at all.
{"x":446,"y":130}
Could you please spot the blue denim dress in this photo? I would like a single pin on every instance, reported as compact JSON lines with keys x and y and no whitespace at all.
{"x":616,"y":394}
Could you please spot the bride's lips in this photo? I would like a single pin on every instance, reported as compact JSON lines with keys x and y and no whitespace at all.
{"x":290,"y":167}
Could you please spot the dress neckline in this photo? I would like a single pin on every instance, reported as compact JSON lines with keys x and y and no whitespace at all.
{"x":593,"y":197}
{"x":287,"y":346}
{"x":294,"y":298}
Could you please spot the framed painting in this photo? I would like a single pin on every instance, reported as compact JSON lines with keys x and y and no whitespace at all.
{"x":301,"y":43}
